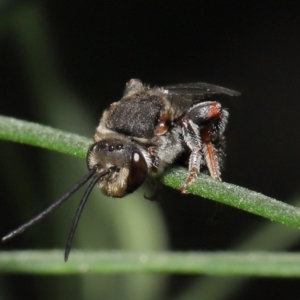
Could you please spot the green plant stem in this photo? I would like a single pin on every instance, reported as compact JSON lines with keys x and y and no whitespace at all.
{"x":113,"y":262}
{"x":53,"y":139}
{"x":33,"y":134}
{"x":236,"y":196}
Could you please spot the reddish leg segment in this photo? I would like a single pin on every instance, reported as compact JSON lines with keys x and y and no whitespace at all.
{"x":202,"y":128}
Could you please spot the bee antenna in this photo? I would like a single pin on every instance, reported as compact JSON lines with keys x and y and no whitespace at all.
{"x":81,"y":206}
{"x":52,"y":207}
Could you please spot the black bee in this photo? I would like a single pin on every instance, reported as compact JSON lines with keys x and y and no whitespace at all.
{"x":144,"y":133}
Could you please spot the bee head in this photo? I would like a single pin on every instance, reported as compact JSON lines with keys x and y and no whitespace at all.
{"x":130,"y":167}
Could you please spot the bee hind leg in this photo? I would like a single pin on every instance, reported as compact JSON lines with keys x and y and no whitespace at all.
{"x":202,"y":129}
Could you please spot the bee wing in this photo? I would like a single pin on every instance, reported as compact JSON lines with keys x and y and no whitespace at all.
{"x":188,"y":93}
{"x":200,"y":89}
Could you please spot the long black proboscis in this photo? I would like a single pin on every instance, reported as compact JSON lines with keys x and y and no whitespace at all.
{"x":80,"y":209}
{"x":52,"y":207}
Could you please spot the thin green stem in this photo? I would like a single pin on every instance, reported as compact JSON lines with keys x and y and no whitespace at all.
{"x":114,"y":262}
{"x":33,"y":134}
{"x":53,"y":139}
{"x":236,"y":196}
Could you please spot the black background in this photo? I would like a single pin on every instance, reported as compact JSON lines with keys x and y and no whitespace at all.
{"x":89,"y":49}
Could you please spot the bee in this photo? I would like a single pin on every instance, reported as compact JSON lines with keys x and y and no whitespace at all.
{"x":145,"y":133}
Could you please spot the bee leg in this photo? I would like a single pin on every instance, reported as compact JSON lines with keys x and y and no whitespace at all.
{"x":203,"y":126}
{"x":193,"y":140}
{"x":155,"y":185}
{"x":211,"y":133}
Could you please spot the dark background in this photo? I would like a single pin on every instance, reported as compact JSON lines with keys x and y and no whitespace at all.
{"x":62,"y":63}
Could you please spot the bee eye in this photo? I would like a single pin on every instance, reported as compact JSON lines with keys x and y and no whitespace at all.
{"x":138,"y":171}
